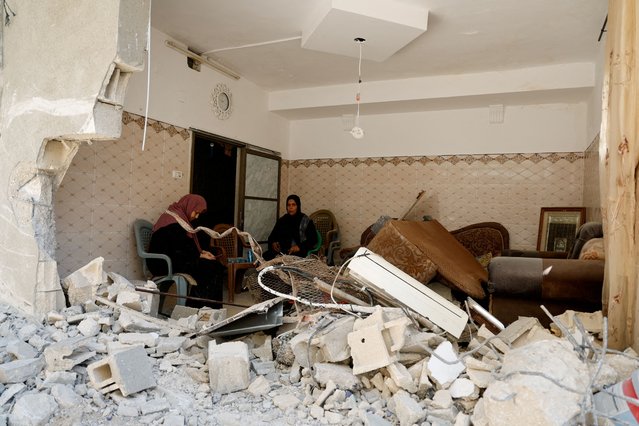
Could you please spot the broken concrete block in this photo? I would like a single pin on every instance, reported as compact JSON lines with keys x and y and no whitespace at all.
{"x":20,"y":370}
{"x":21,"y":350}
{"x":82,"y":284}
{"x":65,"y":396}
{"x":407,"y":410}
{"x":180,"y":311}
{"x":128,"y":370}
{"x":316,"y":412}
{"x":130,"y":299}
{"x":445,"y":373}
{"x":59,"y":377}
{"x":302,"y":351}
{"x":169,"y":344}
{"x":154,"y":406}
{"x":333,"y":341}
{"x":27,"y":331}
{"x":33,"y":409}
{"x":285,"y":402}
{"x":328,"y":391}
{"x":145,"y":339}
{"x":539,"y":400}
{"x":263,"y":348}
{"x":391,"y":385}
{"x":333,"y":418}
{"x":341,"y":374}
{"x":173,"y":419}
{"x":259,"y":386}
{"x":371,"y":419}
{"x":128,"y":410}
{"x":228,"y":366}
{"x":461,"y":388}
{"x":10,"y":392}
{"x":262,"y":368}
{"x":442,"y":399}
{"x":89,"y":327}
{"x":402,"y":378}
{"x":68,"y":353}
{"x":480,"y":378}
{"x":132,"y":323}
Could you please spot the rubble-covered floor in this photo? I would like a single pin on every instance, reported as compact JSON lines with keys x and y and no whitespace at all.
{"x":102,"y":361}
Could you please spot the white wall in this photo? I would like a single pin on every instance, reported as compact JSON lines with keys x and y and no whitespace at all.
{"x":594,"y":104}
{"x":526,"y":129}
{"x":181,"y":96}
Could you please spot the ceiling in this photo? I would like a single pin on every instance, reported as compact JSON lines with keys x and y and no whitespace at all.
{"x":261,"y":39}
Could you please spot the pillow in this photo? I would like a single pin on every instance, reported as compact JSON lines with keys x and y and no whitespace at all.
{"x":429,"y":243}
{"x":593,"y":249}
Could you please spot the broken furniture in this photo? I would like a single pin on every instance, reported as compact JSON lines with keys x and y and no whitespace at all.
{"x":517,"y":285}
{"x":231,"y":258}
{"x":394,"y":284}
{"x":143,"y":230}
{"x":327,"y":227}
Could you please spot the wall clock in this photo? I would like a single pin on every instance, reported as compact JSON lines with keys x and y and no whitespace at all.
{"x":222,"y":101}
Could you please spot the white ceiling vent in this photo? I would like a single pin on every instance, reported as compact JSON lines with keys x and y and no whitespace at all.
{"x":385,"y":29}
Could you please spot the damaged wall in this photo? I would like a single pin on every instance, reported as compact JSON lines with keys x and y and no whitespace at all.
{"x":108,"y":186}
{"x":61,"y":86}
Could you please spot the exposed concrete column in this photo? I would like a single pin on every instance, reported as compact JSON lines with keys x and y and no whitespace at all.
{"x":66,"y":65}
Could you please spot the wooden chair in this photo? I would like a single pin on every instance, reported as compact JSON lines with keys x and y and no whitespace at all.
{"x":231,"y":246}
{"x":328,"y":229}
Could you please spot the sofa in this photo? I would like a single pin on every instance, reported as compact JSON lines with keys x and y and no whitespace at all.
{"x":477,"y":261}
{"x":519,"y":281}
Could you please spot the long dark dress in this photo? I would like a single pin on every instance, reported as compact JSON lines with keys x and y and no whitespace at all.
{"x":173,"y":241}
{"x":288,"y":232}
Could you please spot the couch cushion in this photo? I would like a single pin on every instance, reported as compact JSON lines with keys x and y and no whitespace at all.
{"x":414,"y":246}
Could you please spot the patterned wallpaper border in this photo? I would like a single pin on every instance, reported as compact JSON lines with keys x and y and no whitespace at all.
{"x":157,"y":126}
{"x":438,"y":159}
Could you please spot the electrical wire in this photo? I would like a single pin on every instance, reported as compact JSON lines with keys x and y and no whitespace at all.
{"x":148,"y":76}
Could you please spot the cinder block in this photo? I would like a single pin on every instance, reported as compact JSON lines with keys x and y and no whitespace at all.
{"x":228,"y":366}
{"x":20,"y":370}
{"x":81,"y":284}
{"x":66,"y":354}
{"x":128,"y":370}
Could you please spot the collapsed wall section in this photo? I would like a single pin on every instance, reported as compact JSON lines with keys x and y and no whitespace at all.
{"x":65,"y":69}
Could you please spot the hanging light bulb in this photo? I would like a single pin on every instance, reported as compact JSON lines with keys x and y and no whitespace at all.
{"x":357,"y":132}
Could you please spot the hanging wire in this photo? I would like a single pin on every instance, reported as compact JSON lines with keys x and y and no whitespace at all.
{"x":359,"y":41}
{"x":148,"y":76}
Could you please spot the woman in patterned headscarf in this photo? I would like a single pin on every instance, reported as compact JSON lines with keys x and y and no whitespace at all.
{"x":183,"y":247}
{"x":294,"y":233}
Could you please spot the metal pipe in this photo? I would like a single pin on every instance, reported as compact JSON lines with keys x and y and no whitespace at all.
{"x":147,"y":290}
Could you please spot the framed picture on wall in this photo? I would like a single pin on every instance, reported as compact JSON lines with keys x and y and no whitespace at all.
{"x":558,"y":226}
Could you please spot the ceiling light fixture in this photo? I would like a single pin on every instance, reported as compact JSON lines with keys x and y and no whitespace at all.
{"x":357,"y":132}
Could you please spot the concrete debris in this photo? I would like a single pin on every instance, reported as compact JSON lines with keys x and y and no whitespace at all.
{"x":104,"y":360}
{"x":228,"y":366}
{"x":82,"y":284}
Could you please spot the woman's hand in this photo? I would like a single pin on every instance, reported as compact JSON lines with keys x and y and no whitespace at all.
{"x":207,"y":255}
{"x":276,"y":247}
{"x":294,"y":249}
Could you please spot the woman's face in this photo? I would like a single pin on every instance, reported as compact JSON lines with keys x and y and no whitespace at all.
{"x":194,"y":215}
{"x":291,"y":207}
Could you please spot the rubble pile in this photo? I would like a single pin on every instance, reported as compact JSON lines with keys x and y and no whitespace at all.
{"x":105,"y":360}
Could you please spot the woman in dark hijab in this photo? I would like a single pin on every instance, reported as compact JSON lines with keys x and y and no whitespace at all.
{"x":183,"y":247}
{"x":294,"y":233}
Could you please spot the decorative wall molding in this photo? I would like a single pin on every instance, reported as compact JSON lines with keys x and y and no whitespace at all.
{"x":553,"y":157}
{"x":157,"y":126}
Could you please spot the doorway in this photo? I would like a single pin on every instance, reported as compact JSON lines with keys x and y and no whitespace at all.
{"x":214,"y":176}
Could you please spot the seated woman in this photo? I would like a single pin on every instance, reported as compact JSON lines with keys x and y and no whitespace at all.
{"x":187,"y":256}
{"x":294,"y":233}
